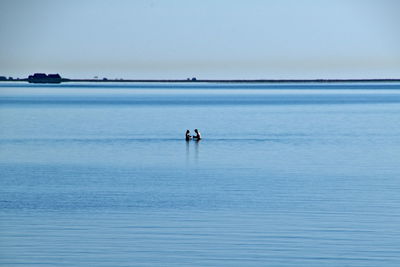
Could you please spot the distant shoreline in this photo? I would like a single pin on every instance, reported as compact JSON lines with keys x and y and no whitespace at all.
{"x":243,"y":81}
{"x":65,"y":80}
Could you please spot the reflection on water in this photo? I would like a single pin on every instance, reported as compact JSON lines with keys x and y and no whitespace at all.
{"x":192,"y":146}
{"x":187,"y":152}
{"x":196,"y":149}
{"x":312,"y":181}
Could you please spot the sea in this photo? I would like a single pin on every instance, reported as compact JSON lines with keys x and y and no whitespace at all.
{"x":287,"y":174}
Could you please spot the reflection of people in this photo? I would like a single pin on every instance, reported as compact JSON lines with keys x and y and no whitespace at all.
{"x":188,"y":136}
{"x":198,"y":135}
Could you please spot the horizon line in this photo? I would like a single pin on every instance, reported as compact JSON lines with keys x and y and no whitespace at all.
{"x":194,"y":80}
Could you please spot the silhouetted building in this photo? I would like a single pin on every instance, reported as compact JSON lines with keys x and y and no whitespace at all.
{"x":44,"y":78}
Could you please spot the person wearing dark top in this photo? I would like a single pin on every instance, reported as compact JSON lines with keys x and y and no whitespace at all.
{"x":188,"y":136}
{"x":198,"y":135}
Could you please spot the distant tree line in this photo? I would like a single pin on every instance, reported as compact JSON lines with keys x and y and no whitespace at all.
{"x":44,"y":78}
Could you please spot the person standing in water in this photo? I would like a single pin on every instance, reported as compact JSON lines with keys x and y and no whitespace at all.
{"x":188,"y":136}
{"x":198,"y":135}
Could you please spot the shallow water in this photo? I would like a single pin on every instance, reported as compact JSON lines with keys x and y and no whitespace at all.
{"x":286,"y":175}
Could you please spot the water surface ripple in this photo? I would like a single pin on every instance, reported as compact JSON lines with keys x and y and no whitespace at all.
{"x":286,"y":175}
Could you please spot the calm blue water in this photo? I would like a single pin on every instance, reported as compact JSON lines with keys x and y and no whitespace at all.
{"x":287,"y":175}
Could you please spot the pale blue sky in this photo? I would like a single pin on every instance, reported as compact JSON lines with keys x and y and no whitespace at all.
{"x":206,"y":39}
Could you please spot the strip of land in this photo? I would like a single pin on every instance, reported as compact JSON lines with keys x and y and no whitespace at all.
{"x":236,"y":81}
{"x":56,"y":78}
{"x":65,"y":80}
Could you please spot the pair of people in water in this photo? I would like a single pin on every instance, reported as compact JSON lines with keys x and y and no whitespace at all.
{"x":195,"y":137}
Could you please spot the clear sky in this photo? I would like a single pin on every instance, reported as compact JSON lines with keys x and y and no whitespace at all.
{"x":205,"y":39}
